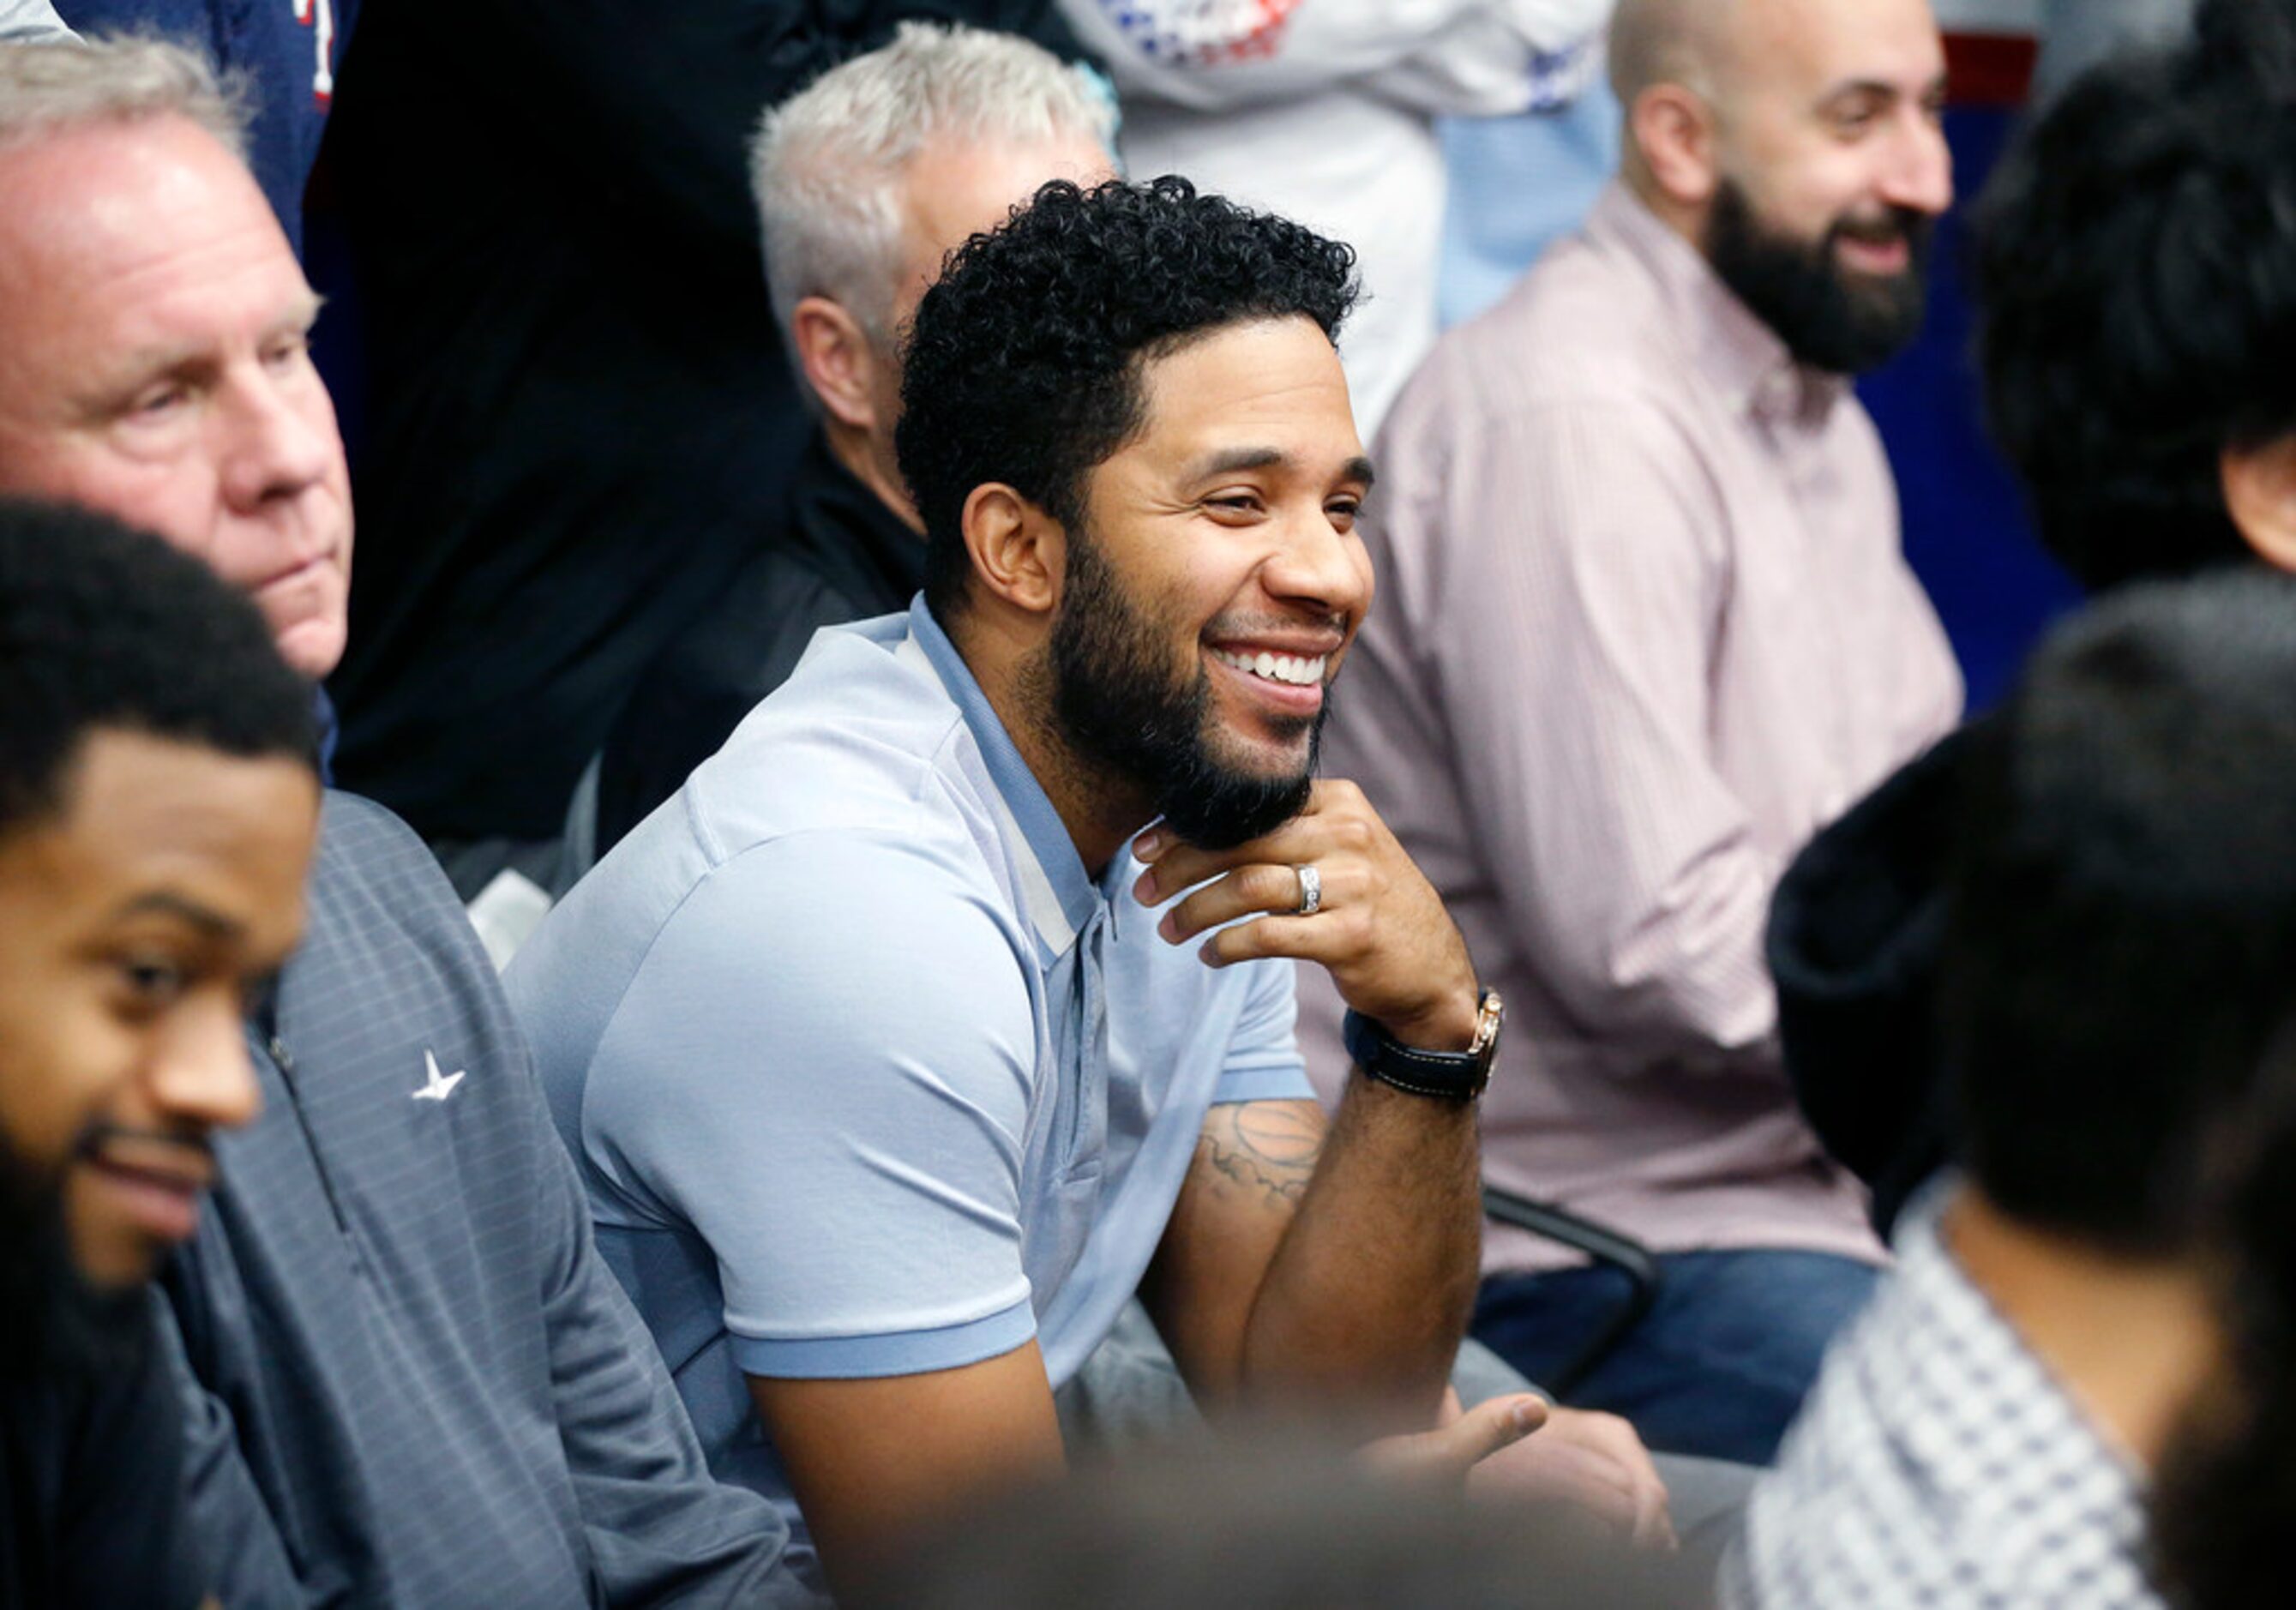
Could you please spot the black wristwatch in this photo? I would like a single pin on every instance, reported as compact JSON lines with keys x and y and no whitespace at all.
{"x":1447,"y":1075}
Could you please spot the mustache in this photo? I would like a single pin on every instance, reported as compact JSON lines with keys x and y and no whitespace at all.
{"x":176,"y":1149}
{"x":1896,"y":224}
{"x":1246,"y":626}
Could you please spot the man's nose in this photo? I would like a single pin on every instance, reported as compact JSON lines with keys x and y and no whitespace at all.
{"x":1919,"y":174}
{"x":203,"y":1077}
{"x":1319,"y":565}
{"x":280,"y":438}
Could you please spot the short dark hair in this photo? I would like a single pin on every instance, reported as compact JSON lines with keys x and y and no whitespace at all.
{"x":105,"y":628}
{"x":2225,"y":1496}
{"x":2120,"y":928}
{"x":2135,"y":276}
{"x":1023,"y":362}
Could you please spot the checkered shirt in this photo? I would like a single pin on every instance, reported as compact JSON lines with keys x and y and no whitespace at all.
{"x":1938,"y":1463}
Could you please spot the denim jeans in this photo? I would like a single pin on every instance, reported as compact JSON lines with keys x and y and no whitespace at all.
{"x":1718,"y":1365}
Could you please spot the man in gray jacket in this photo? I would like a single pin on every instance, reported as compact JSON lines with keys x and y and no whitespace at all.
{"x":410,"y":1379}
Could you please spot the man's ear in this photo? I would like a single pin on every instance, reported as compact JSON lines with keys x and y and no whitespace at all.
{"x":2260,"y":493}
{"x":1673,"y":129}
{"x":839,"y":361}
{"x":1020,"y":553}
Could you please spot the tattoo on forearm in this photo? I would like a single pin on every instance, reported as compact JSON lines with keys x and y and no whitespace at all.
{"x":1264,"y":1146}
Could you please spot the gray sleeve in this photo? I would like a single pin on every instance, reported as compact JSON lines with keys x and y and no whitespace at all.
{"x":24,"y":20}
{"x":660,"y":1529}
{"x":225,"y":1516}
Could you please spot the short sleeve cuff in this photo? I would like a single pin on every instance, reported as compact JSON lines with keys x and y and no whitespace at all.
{"x":868,"y":1357}
{"x":1279,"y":1081}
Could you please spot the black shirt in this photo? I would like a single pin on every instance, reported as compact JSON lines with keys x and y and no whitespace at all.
{"x":1853,"y":937}
{"x":847,"y":557}
{"x":91,"y":1478}
{"x":578,"y":421}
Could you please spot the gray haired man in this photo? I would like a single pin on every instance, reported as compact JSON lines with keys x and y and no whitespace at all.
{"x":863,"y":182}
{"x":409,"y":1378}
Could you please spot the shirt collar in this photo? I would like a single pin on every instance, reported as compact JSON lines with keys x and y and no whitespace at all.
{"x":1740,"y":355}
{"x":1952,"y":1319}
{"x":845,"y":529}
{"x":1060,"y":896}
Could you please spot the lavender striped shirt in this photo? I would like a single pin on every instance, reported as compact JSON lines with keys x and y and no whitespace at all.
{"x":1643,"y":627}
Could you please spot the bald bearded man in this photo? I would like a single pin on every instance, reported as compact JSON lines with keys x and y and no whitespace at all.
{"x":1645,"y":626}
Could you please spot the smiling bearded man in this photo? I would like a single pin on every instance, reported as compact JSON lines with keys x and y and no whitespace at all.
{"x":894,"y":1060}
{"x":1116,"y":706}
{"x":1649,"y":628}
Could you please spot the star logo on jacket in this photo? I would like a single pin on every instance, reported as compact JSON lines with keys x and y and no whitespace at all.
{"x":440,"y":1086}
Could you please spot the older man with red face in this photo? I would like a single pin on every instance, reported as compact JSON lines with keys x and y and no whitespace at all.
{"x":1647,"y":628}
{"x":409,"y":1371}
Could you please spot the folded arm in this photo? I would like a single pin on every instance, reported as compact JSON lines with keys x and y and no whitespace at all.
{"x":1334,"y":1268}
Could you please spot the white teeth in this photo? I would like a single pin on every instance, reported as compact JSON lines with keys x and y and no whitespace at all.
{"x":1276,"y":668}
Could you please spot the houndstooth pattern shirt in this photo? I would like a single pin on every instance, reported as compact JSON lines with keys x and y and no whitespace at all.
{"x":1938,"y":1462}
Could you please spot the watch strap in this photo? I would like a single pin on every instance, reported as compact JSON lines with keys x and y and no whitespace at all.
{"x":1446,"y":1075}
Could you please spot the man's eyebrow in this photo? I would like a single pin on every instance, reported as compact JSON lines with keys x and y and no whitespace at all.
{"x":139,"y":363}
{"x":161,"y":903}
{"x":1230,"y":460}
{"x":304,"y":313}
{"x":1859,"y":88}
{"x":1236,"y":459}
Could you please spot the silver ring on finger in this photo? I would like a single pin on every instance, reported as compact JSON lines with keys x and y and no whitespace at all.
{"x":1311,"y":890}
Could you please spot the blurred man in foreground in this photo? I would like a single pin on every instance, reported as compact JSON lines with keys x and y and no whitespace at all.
{"x":2119,"y":972}
{"x":159,"y":799}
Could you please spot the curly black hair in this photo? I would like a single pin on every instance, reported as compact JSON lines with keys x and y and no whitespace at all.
{"x":2136,"y":274}
{"x":1023,"y":363}
{"x":105,"y":628}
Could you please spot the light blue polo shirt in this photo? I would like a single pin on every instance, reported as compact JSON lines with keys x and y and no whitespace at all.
{"x":864,"y":1074}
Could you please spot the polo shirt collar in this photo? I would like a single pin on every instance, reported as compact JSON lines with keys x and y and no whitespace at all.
{"x":1060,"y":896}
{"x":1741,"y":357}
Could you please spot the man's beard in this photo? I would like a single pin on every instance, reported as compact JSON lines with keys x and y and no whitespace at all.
{"x":54,"y":1318}
{"x":1120,"y":708}
{"x":1829,"y":317}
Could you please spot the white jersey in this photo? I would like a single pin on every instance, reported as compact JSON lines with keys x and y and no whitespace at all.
{"x":1322,"y":110}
